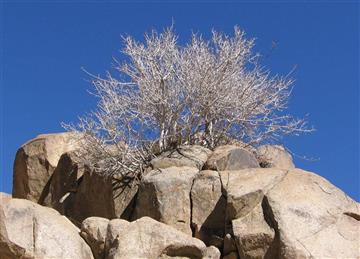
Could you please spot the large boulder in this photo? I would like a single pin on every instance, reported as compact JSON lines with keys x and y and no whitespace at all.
{"x":191,"y":156}
{"x":164,"y":195}
{"x":29,"y":230}
{"x":107,"y":197}
{"x":274,"y":156}
{"x":35,"y":162}
{"x":65,"y":182}
{"x":253,"y":235}
{"x":147,"y":238}
{"x":231,"y":157}
{"x":78,"y":192}
{"x":94,"y":231}
{"x":276,"y":213}
{"x":208,"y":208}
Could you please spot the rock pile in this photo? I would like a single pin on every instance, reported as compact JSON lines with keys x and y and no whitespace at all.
{"x":192,"y":203}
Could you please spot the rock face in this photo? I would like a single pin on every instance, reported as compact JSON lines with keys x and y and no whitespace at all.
{"x":231,"y":157}
{"x":35,"y":163}
{"x":65,"y":181}
{"x":191,"y":156}
{"x":191,"y":203}
{"x":79,"y":193}
{"x":29,"y":230}
{"x":274,"y":156}
{"x":102,"y":197}
{"x":147,"y":238}
{"x":94,"y":231}
{"x":164,"y":195}
{"x":276,"y":213}
{"x":208,"y":208}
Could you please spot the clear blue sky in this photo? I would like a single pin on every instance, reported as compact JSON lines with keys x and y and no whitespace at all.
{"x":44,"y":46}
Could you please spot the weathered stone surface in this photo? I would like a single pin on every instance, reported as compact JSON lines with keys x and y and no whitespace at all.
{"x":274,"y":156}
{"x":94,"y":231}
{"x":101,"y":197}
{"x":35,"y":163}
{"x":276,"y":213}
{"x":29,"y":230}
{"x":147,"y":238}
{"x":253,"y":235}
{"x":65,"y":182}
{"x":208,"y":208}
{"x":164,"y":195}
{"x":245,"y":188}
{"x":231,"y":157}
{"x":191,"y":156}
{"x":312,"y":218}
{"x":211,"y":252}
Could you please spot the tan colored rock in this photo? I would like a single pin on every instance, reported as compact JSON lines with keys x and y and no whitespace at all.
{"x":29,"y":230}
{"x":245,"y":188}
{"x":274,"y":156}
{"x":191,"y":156}
{"x":65,"y":182}
{"x":164,"y":195}
{"x":313,"y":218}
{"x":147,"y":238}
{"x":253,"y":235}
{"x":8,"y":250}
{"x":101,"y":197}
{"x":231,"y":157}
{"x":211,"y":252}
{"x":94,"y":231}
{"x":276,"y":213}
{"x":35,"y":163}
{"x":208,"y":208}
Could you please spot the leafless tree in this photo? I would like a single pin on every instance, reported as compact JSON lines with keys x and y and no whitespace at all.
{"x":208,"y":92}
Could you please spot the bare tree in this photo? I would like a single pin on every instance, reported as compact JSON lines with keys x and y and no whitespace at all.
{"x":207,"y":92}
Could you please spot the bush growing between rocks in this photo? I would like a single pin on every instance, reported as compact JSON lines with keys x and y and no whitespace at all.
{"x":207,"y":92}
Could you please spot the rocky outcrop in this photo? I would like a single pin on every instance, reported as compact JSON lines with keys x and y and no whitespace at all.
{"x":147,"y":238}
{"x":274,"y":156}
{"x":231,"y":157}
{"x":65,"y":182}
{"x":208,"y":208}
{"x":164,"y":195}
{"x":35,"y":163}
{"x":190,"y":203}
{"x":29,"y":230}
{"x":94,"y":231}
{"x":276,"y":213}
{"x":99,"y":196}
{"x":191,"y":156}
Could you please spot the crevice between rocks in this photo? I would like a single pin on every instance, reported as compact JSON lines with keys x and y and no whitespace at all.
{"x":352,"y":215}
{"x":274,"y":249}
{"x":192,"y":225}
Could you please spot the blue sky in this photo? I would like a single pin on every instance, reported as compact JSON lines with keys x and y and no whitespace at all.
{"x":44,"y":45}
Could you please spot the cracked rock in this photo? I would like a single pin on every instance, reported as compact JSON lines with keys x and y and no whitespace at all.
{"x":147,"y":238}
{"x":208,"y":208}
{"x":231,"y":157}
{"x":164,"y":195}
{"x":29,"y":230}
{"x":191,"y":156}
{"x":35,"y":163}
{"x":94,"y":230}
{"x":274,"y":156}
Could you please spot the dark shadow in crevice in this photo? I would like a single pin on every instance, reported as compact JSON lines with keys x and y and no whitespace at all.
{"x":45,"y":192}
{"x":274,"y":249}
{"x":353,"y":215}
